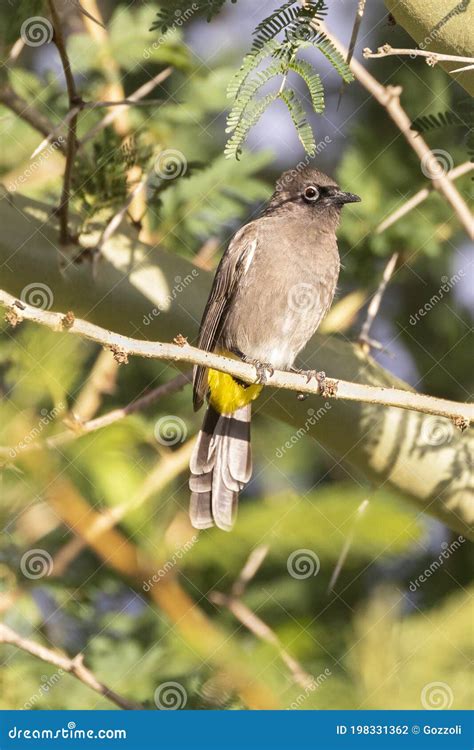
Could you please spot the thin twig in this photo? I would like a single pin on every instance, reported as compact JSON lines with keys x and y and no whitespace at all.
{"x":140,"y":93}
{"x":118,"y":217}
{"x":374,"y":305}
{"x":419,"y":197}
{"x":389,"y":98}
{"x":386,"y":50}
{"x":75,"y":666}
{"x":347,"y":544}
{"x":90,"y":106}
{"x":123,"y":346}
{"x":166,"y":470}
{"x":255,"y":624}
{"x":81,"y":428}
{"x":355,"y":33}
{"x":29,"y":114}
{"x":74,"y":99}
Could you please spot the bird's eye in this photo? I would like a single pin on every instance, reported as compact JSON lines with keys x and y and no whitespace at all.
{"x":311,"y":194}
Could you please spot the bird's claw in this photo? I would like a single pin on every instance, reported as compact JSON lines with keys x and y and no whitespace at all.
{"x":261,"y":369}
{"x":319,"y":376}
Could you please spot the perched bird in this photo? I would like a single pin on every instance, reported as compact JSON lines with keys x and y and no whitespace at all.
{"x":272,"y":288}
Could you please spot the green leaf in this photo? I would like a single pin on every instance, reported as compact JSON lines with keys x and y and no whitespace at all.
{"x":312,"y":80}
{"x":298,"y":115}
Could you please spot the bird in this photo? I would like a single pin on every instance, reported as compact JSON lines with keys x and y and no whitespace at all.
{"x":272,"y":288}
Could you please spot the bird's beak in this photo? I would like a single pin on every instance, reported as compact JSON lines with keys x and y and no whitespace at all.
{"x":341,"y":197}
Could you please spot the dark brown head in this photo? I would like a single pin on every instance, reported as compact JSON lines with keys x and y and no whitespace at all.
{"x":308,"y":188}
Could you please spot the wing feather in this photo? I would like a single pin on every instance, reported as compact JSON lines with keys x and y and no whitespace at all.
{"x":233,"y":265}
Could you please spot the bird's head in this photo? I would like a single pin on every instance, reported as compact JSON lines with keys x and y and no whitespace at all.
{"x":308,"y":188}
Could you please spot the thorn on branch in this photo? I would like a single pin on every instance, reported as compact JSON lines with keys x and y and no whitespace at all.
{"x":329,"y":388}
{"x":12,"y":317}
{"x":461,"y":423}
{"x":67,"y":321}
{"x":120,"y":355}
{"x":180,"y":340}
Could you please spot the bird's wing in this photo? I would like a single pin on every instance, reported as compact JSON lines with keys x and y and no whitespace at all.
{"x":233,"y":265}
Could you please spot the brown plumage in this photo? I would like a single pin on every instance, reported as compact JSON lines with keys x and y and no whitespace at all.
{"x":272,"y":288}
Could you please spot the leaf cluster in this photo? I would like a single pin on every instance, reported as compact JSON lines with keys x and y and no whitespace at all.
{"x":278,"y":39}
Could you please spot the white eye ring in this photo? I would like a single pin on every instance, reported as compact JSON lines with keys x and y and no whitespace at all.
{"x":311,"y":194}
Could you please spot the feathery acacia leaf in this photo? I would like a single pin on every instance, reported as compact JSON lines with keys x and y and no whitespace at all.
{"x":281,"y":35}
{"x":298,"y":115}
{"x":179,"y":12}
{"x":251,"y":116}
{"x":312,"y":80}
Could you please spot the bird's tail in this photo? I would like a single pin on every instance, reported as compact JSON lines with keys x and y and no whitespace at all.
{"x":221,"y":465}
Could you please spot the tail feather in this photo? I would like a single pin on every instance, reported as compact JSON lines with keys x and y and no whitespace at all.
{"x":221,"y":465}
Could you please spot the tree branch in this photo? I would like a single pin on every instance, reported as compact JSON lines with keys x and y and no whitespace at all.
{"x":374,"y":305}
{"x":431,"y":57}
{"x":389,"y":98}
{"x":419,"y":197}
{"x":74,"y":99}
{"x":124,"y":346}
{"x":75,"y":666}
{"x":29,"y":114}
{"x":255,"y":624}
{"x":81,"y":428}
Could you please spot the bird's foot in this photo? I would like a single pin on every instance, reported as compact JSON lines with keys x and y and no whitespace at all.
{"x":320,"y":376}
{"x":264,"y":370}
